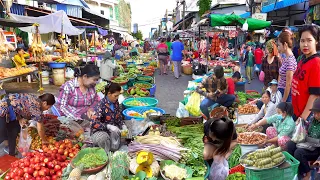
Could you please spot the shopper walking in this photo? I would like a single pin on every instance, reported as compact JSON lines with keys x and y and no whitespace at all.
{"x":289,"y":64}
{"x":258,"y":55}
{"x":163,"y":56}
{"x":249,"y":63}
{"x":177,"y":56}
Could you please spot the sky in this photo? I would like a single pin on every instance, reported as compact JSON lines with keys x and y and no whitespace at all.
{"x":148,"y":13}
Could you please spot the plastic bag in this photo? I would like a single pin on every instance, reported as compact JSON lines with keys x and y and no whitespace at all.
{"x":69,"y":73}
{"x":24,"y":141}
{"x":219,"y":168}
{"x":256,"y":68}
{"x":182,"y":111}
{"x":193,"y":105}
{"x":299,"y":133}
{"x":261,"y":76}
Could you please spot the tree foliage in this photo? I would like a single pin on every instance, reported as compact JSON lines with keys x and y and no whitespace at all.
{"x":204,"y":6}
{"x":137,"y":35}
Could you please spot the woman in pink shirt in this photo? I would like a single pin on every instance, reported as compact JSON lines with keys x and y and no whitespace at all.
{"x":78,"y":95}
{"x":163,"y":56}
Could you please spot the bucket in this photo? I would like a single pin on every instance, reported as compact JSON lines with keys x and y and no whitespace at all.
{"x":247,"y":148}
{"x":45,"y":78}
{"x":58,"y":76}
{"x":187,"y":69}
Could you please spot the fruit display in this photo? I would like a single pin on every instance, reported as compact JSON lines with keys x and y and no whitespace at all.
{"x":129,"y":75}
{"x":144,"y":78}
{"x":64,"y":147}
{"x":143,"y":85}
{"x":154,"y":64}
{"x":266,"y":158}
{"x":36,"y":142}
{"x":134,"y":70}
{"x":251,"y":138}
{"x":138,"y":92}
{"x":119,"y":80}
{"x":101,"y":86}
{"x":248,"y":109}
{"x":11,"y":72}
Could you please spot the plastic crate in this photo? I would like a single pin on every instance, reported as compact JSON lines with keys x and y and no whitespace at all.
{"x":276,"y":173}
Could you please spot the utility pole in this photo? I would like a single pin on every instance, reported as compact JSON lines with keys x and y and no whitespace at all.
{"x":184,"y":14}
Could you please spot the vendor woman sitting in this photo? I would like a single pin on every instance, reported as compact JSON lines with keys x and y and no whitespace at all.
{"x":78,"y":95}
{"x":19,"y":58}
{"x":18,"y":109}
{"x":107,"y":120}
{"x":283,"y":128}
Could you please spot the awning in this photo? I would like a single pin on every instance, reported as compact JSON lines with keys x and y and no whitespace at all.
{"x":235,"y":20}
{"x":275,"y":6}
{"x":80,"y":3}
{"x":49,"y":23}
{"x":13,"y":23}
{"x":95,"y":17}
{"x":101,"y":31}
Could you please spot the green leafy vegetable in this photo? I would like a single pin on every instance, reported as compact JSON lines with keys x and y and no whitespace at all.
{"x":234,"y":157}
{"x":236,"y":176}
{"x":90,"y":160}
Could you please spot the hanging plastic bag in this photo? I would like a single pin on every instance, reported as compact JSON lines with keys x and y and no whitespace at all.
{"x":24,"y":141}
{"x":69,"y":73}
{"x":261,"y":76}
{"x":219,"y":168}
{"x":182,"y":111}
{"x":256,"y":68}
{"x":300,"y":133}
{"x":193,"y":105}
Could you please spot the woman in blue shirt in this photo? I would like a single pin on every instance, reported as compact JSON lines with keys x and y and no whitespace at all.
{"x":177,"y":56}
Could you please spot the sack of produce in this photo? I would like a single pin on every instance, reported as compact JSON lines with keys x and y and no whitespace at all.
{"x":300,"y":133}
{"x":24,"y":141}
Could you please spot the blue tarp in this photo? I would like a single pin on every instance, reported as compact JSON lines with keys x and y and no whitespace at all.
{"x":275,"y":6}
{"x":80,"y":3}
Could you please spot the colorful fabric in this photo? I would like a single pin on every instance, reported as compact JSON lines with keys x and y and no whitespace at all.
{"x":27,"y":106}
{"x":212,"y":84}
{"x":282,"y":141}
{"x":305,"y":82}
{"x":285,"y":127}
{"x":288,"y":64}
{"x":314,"y":129}
{"x":271,"y":71}
{"x":72,"y":102}
{"x":104,"y":114}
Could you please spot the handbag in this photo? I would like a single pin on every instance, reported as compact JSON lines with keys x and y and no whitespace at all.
{"x":261,"y":76}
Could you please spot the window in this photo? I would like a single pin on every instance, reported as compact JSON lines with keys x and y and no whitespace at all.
{"x":102,"y":12}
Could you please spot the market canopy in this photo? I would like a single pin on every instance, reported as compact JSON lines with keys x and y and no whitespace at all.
{"x":13,"y":23}
{"x":235,"y":20}
{"x":101,"y":31}
{"x":50,"y":23}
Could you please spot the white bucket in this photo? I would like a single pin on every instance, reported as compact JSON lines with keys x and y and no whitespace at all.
{"x":45,"y":78}
{"x":58,"y":76}
{"x":247,"y":148}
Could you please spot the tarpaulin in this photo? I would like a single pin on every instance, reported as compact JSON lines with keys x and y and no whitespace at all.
{"x":49,"y":23}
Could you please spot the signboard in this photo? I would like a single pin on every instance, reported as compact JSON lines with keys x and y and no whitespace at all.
{"x":260,"y":16}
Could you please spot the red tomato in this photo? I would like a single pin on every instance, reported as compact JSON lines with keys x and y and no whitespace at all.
{"x":57,"y":168}
{"x":30,"y":170}
{"x":20,"y":172}
{"x":35,"y":173}
{"x":25,"y":170}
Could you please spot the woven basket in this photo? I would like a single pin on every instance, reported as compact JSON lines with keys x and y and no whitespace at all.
{"x":187,"y":69}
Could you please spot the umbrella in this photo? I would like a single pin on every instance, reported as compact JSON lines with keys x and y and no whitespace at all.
{"x":235,"y":20}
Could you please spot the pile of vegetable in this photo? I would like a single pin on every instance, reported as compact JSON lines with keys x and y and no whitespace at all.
{"x":142,"y":86}
{"x":248,"y":109}
{"x":135,"y":103}
{"x":251,"y":138}
{"x":244,"y":129}
{"x":236,"y":176}
{"x":191,"y":137}
{"x":234,"y":157}
{"x":90,"y":160}
{"x":144,"y":78}
{"x":268,"y":157}
{"x":101,"y":86}
{"x":119,"y":165}
{"x":135,"y":91}
{"x":120,"y":80}
{"x":175,"y":171}
{"x":243,"y":97}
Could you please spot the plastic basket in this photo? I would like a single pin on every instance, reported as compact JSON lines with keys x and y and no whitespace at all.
{"x":141,"y":82}
{"x":55,"y":65}
{"x":276,"y":173}
{"x":148,"y":101}
{"x":140,"y":110}
{"x":142,"y":78}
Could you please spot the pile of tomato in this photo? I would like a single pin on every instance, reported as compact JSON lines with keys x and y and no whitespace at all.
{"x":45,"y":165}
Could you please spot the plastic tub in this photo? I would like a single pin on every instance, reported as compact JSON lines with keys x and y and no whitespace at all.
{"x":276,"y":173}
{"x":140,"y":110}
{"x":150,"y":102}
{"x":55,"y":65}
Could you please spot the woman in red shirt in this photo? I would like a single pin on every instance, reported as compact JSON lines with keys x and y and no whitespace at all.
{"x":306,"y":83}
{"x":163,"y":56}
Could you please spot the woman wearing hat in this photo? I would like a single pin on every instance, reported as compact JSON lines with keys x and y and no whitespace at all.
{"x":306,"y":155}
{"x":275,"y":97}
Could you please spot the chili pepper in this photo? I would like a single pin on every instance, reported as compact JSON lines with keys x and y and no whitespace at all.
{"x":238,"y":168}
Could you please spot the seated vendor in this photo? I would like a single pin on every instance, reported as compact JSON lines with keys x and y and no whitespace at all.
{"x":310,"y":154}
{"x":275,"y":97}
{"x":134,"y":51}
{"x":216,"y":130}
{"x":216,"y":88}
{"x":268,"y":109}
{"x":18,"y":110}
{"x":232,"y":83}
{"x":107,"y":120}
{"x":281,"y":133}
{"x":19,"y":58}
{"x":78,"y":95}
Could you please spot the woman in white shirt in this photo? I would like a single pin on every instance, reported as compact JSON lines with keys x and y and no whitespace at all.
{"x":275,"y":94}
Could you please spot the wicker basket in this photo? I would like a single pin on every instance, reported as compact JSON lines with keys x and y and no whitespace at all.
{"x":187,"y":69}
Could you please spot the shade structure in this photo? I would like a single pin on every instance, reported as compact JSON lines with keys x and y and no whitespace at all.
{"x":235,"y":20}
{"x":13,"y":23}
{"x":54,"y":22}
